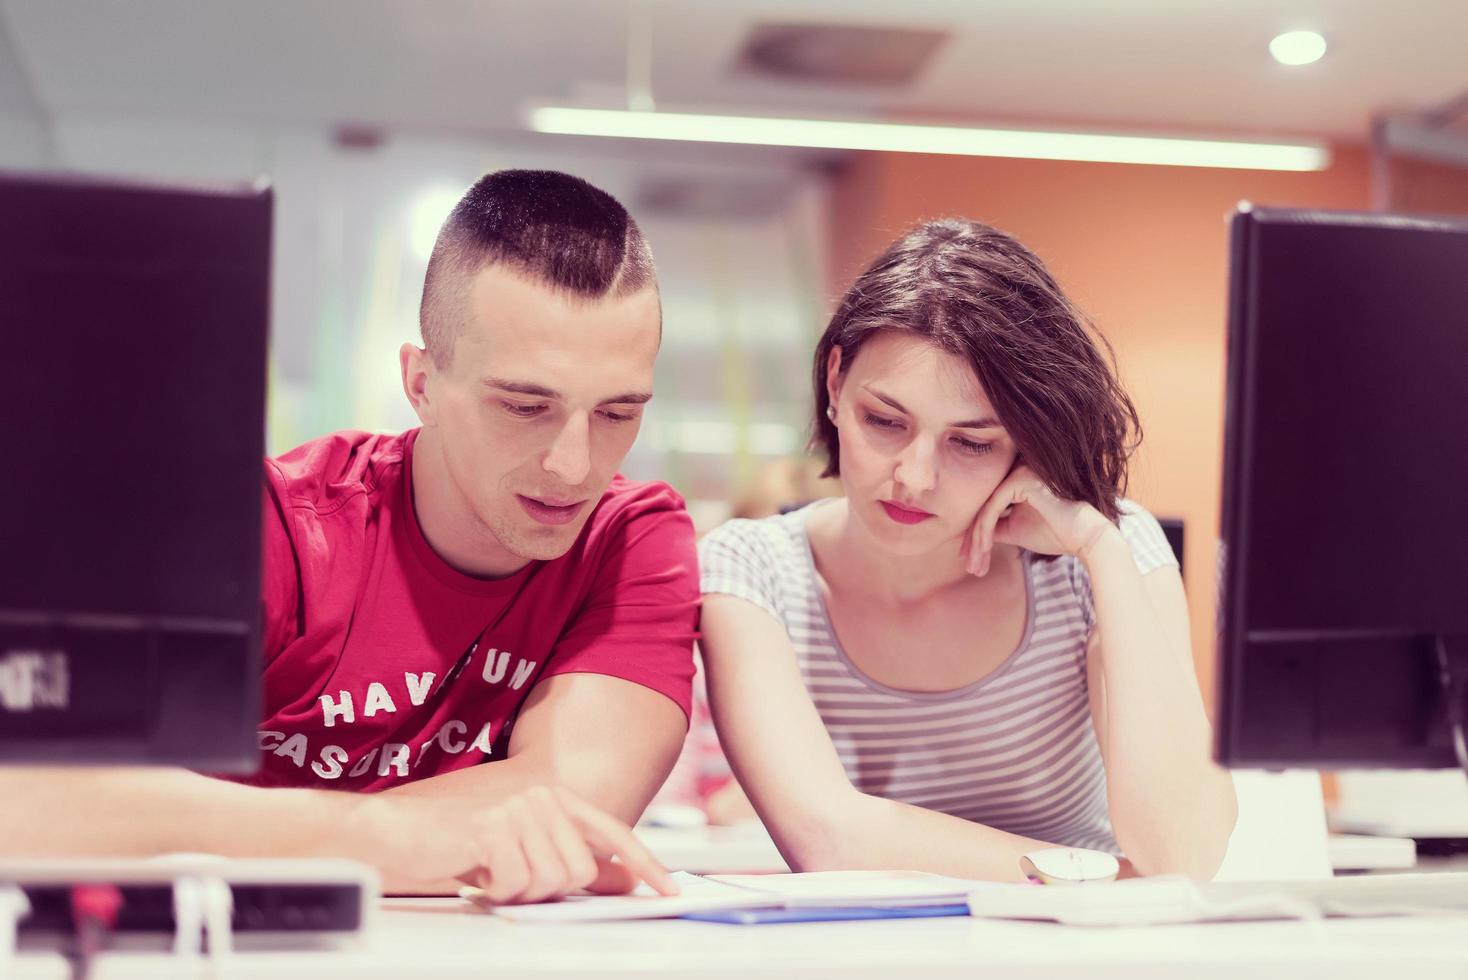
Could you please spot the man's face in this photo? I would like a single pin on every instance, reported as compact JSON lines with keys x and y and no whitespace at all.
{"x":539,"y":404}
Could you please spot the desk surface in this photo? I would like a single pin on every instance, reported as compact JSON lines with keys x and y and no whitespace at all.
{"x":443,"y":938}
{"x":446,"y":938}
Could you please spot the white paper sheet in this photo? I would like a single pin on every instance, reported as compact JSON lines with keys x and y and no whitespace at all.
{"x":830,"y":889}
{"x":855,"y":889}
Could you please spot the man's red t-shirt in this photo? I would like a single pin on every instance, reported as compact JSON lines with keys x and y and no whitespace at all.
{"x":364,"y":623}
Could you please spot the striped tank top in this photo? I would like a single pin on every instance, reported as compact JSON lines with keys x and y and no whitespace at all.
{"x":1015,"y":750}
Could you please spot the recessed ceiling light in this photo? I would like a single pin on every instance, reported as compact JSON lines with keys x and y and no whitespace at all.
{"x":1297,"y":48}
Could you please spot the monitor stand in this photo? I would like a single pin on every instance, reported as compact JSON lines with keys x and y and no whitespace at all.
{"x":201,"y":905}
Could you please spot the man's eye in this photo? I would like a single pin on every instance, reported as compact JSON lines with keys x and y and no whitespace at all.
{"x":617,"y":416}
{"x":523,"y":411}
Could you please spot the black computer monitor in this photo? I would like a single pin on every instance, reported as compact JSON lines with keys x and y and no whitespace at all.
{"x":1345,"y":491}
{"x":132,"y":388}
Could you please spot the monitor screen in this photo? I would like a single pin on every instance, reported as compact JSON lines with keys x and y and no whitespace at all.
{"x":132,"y":389}
{"x":1345,"y":496}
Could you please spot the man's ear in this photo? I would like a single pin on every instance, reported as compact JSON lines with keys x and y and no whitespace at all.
{"x":417,"y":368}
{"x":833,"y":376}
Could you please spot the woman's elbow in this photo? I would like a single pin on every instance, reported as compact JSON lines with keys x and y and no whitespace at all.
{"x":1199,"y":863}
{"x":810,"y":848}
{"x":816,"y":840}
{"x":1198,"y":854}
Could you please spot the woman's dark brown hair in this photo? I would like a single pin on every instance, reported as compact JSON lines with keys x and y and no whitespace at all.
{"x":976,"y":292}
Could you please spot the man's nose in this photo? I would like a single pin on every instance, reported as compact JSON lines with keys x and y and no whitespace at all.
{"x":569,"y":455}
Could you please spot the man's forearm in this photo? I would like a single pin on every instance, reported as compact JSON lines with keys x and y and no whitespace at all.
{"x":494,"y":782}
{"x":137,"y":812}
{"x":484,"y":784}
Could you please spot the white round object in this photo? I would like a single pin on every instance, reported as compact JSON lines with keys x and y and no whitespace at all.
{"x":1297,"y":48}
{"x":1069,"y":866}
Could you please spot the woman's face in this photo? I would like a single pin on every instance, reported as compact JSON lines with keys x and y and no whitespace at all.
{"x":921,"y":445}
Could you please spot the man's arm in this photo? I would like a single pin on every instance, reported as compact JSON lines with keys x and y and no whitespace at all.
{"x":137,"y":812}
{"x":610,"y":741}
{"x":525,"y":846}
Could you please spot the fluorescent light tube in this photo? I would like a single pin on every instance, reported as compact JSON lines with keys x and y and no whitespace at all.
{"x":906,"y":138}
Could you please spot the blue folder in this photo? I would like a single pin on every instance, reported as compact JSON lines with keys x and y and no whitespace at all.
{"x":755,"y":917}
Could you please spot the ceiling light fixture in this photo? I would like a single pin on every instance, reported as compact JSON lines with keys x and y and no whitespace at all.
{"x":1297,"y":48}
{"x":912,"y":138}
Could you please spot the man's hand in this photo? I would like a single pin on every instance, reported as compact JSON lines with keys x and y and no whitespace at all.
{"x":542,"y":843}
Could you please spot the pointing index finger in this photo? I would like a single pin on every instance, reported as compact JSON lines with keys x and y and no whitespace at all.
{"x":608,"y":833}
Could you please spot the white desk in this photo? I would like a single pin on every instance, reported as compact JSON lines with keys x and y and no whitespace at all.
{"x":441,"y":938}
{"x":444,"y":938}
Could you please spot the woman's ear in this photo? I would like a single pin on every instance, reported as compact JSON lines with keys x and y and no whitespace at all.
{"x":833,"y":376}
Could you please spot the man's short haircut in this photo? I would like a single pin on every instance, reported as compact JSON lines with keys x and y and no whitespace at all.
{"x":550,"y":227}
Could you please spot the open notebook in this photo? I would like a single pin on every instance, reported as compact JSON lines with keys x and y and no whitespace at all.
{"x":714,"y":893}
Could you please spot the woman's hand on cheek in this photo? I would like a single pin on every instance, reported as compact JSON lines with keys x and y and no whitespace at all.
{"x":1023,"y":512}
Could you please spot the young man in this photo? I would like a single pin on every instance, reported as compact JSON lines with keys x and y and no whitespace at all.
{"x":477,"y":622}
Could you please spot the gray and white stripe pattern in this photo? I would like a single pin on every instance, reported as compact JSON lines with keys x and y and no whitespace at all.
{"x":1015,"y":750}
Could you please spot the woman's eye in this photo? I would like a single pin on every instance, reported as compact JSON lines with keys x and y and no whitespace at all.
{"x":881,"y":422}
{"x":523,"y":411}
{"x":971,"y":447}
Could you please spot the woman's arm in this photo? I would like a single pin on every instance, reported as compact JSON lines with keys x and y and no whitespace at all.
{"x":1171,"y":807}
{"x":781,"y":753}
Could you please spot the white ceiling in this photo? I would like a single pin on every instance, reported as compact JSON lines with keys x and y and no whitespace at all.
{"x":462,"y":66}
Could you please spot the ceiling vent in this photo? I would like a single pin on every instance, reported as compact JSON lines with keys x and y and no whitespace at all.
{"x":838,"y":55}
{"x":712,"y":200}
{"x":358,"y":137}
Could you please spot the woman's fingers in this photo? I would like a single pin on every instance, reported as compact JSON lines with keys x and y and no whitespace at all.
{"x":994,"y":508}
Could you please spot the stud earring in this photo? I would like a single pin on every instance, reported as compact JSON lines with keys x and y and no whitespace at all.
{"x":831,"y":412}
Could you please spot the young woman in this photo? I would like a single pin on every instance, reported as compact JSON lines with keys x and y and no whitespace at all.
{"x":982,"y":649}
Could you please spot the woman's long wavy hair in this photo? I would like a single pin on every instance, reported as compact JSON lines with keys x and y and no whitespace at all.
{"x":978,"y":293}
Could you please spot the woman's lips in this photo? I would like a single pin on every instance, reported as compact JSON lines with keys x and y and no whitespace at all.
{"x":904,"y":515}
{"x":549,"y":513}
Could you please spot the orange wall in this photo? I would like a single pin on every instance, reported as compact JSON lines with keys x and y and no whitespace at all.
{"x":1427,"y":187}
{"x":1143,"y":250}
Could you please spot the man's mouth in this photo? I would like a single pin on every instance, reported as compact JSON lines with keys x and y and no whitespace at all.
{"x":550,"y":510}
